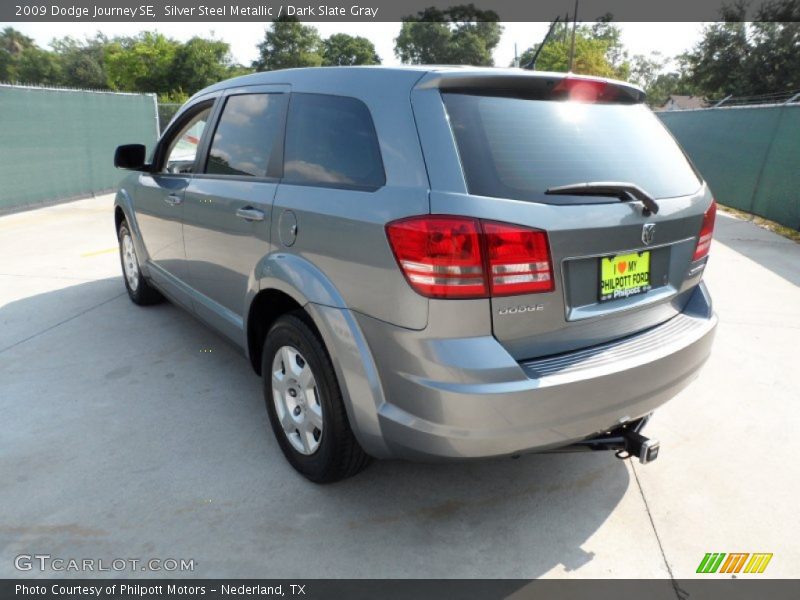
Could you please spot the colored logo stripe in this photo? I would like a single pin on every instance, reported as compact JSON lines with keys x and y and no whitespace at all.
{"x":713,"y":562}
{"x":734,"y":562}
{"x":758,"y":563}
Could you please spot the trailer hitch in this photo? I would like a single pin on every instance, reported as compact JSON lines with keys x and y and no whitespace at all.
{"x":626,"y":440}
{"x":638,"y":445}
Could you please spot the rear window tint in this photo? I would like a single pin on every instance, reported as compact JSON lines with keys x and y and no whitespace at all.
{"x":517,"y":148}
{"x":331,"y":141}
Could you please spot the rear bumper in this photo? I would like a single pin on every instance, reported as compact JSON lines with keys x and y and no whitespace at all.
{"x":442,"y":401}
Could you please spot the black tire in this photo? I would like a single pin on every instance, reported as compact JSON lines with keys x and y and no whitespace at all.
{"x":339,"y":454}
{"x":141,"y":293}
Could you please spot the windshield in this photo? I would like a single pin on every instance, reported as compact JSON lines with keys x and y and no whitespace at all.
{"x":518,"y":148}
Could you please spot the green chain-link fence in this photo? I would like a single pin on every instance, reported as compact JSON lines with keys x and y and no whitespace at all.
{"x":57,"y":144}
{"x":750,"y":156}
{"x":60,"y":143}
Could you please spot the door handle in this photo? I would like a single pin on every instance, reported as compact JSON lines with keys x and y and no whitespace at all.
{"x":248,"y":213}
{"x":173,"y":200}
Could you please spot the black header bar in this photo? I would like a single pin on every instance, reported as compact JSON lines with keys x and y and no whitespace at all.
{"x":160,"y":11}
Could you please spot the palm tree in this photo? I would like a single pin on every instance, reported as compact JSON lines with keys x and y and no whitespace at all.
{"x":14,"y":42}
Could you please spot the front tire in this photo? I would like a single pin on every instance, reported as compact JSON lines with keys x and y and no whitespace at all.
{"x":305,"y":404}
{"x":139,"y":289}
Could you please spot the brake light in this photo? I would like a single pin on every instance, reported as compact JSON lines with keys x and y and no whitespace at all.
{"x":706,"y":232}
{"x":440,"y":256}
{"x":460,"y":257}
{"x":519,"y":259}
{"x":577,"y":89}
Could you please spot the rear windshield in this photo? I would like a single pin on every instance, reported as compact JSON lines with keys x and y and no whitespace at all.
{"x":517,"y":148}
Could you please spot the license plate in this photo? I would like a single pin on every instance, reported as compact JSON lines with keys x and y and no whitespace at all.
{"x":624,"y":275}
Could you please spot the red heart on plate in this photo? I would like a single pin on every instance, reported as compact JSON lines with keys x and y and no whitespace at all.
{"x":622,"y":267}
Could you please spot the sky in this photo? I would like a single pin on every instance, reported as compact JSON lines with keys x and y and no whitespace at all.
{"x":639,"y":38}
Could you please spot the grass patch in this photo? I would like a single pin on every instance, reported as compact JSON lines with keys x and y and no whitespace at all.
{"x":772,"y":226}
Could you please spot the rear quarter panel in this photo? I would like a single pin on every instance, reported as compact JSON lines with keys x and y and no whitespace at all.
{"x":342,"y":231}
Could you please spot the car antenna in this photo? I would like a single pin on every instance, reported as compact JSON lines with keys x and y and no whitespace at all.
{"x":531,"y":64}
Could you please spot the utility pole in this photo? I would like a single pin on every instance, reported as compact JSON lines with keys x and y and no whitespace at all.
{"x":572,"y":44}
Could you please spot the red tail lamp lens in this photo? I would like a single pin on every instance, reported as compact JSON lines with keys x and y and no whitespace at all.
{"x":461,"y":257}
{"x":706,"y":232}
{"x":440,"y":256}
{"x":519,"y":259}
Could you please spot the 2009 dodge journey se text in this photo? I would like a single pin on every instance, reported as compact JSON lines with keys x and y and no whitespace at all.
{"x":431,"y":262}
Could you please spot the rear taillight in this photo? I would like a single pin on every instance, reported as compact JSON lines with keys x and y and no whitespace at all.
{"x":460,"y":257}
{"x":706,"y":232}
{"x":440,"y":256}
{"x":519,"y":259}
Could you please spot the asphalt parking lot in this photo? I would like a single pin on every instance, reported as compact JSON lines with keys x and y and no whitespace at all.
{"x":130,"y":432}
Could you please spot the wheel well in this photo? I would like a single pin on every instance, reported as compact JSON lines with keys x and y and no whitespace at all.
{"x":266,"y":308}
{"x":119,"y":217}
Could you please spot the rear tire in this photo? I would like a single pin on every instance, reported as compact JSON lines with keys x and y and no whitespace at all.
{"x":139,"y":289}
{"x":304,"y":403}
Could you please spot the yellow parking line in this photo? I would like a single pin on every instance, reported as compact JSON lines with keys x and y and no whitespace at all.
{"x":97,"y":252}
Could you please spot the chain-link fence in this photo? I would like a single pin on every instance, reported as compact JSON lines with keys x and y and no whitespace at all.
{"x":787,"y":97}
{"x":166,"y":110}
{"x":58,"y":143}
{"x":749,"y":154}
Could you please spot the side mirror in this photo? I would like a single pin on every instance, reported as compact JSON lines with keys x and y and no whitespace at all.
{"x":130,"y":156}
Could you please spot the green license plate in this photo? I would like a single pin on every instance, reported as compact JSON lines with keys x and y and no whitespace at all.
{"x":624,"y":275}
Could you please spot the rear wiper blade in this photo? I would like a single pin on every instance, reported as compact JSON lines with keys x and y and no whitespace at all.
{"x":626,"y":192}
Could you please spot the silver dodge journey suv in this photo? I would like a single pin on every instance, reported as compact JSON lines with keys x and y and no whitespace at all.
{"x":429,"y":262}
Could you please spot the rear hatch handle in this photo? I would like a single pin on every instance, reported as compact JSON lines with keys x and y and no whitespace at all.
{"x":625,"y":191}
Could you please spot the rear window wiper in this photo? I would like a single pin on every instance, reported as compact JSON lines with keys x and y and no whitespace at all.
{"x":626,"y":192}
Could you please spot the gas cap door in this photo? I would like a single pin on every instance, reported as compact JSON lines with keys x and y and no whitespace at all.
{"x":287,"y":228}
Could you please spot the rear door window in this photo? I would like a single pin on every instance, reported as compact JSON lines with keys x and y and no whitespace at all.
{"x":331,"y":141}
{"x":247,"y":140}
{"x":517,"y":148}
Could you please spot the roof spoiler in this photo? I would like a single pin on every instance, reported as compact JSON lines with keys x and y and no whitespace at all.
{"x":535,"y":86}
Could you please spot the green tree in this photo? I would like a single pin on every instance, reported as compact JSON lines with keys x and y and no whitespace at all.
{"x":341,"y":49}
{"x":82,"y":62}
{"x":646,"y":69}
{"x":148,"y":62}
{"x":774,"y":60}
{"x":459,"y":35}
{"x":237,"y":70}
{"x":717,"y":65}
{"x":743,"y":59}
{"x":590,"y":55}
{"x":199,"y":63}
{"x":648,"y":73}
{"x":8,"y":70}
{"x":598,"y":50}
{"x":143,"y":63}
{"x":177,"y":97}
{"x":14,"y":42}
{"x":616,"y":54}
{"x":35,"y":65}
{"x":287,"y":44}
{"x":667,"y":84}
